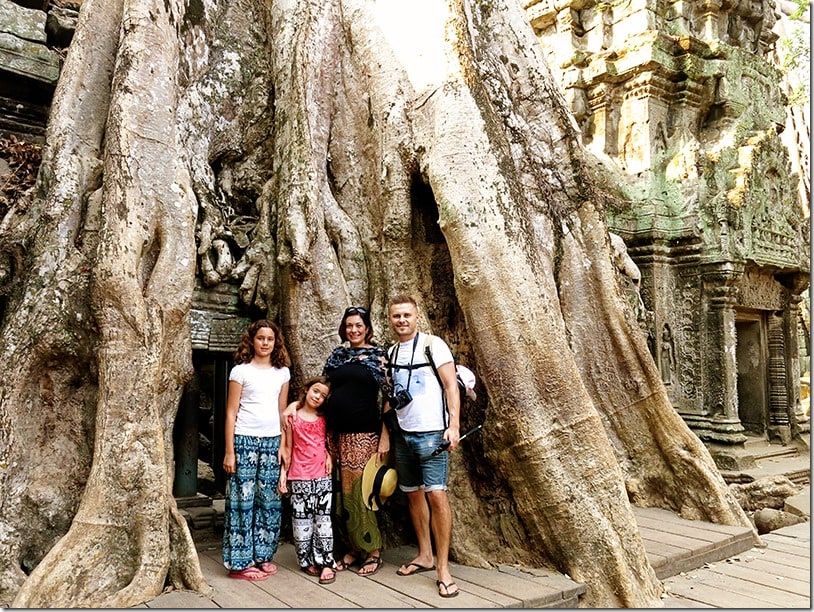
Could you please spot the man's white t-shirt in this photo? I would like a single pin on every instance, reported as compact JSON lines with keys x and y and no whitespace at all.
{"x":259,"y":411}
{"x":425,"y":412}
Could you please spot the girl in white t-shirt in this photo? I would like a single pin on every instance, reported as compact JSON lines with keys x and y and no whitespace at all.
{"x":258,"y":393}
{"x":308,"y":476}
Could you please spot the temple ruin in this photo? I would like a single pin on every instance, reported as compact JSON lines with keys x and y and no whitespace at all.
{"x":686,"y":101}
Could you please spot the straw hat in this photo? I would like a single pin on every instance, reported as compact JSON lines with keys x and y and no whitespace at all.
{"x":378,"y":482}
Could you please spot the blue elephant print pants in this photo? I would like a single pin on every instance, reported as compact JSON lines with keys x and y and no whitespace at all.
{"x":253,"y":509}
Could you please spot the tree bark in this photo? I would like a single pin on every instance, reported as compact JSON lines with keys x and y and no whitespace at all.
{"x":118,"y":551}
{"x":320,"y":154}
{"x":47,"y":395}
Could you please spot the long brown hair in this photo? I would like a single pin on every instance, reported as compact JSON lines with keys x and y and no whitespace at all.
{"x":323,"y":380}
{"x":245,"y":350}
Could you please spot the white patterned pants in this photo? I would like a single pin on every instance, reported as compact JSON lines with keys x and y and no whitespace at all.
{"x":311,"y":521}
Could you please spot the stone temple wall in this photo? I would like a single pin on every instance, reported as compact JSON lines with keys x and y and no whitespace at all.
{"x":33,"y":37}
{"x":685,"y":100}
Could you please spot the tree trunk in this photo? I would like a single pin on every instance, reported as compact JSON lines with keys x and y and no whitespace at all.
{"x":310,"y":152}
{"x":127,"y":536}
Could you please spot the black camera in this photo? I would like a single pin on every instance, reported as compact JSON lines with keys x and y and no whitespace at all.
{"x":400,"y":399}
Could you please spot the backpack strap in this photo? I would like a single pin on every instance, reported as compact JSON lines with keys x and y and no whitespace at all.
{"x":391,"y":356}
{"x":444,"y":408}
{"x":426,"y":340}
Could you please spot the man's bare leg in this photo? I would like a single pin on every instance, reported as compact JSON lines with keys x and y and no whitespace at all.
{"x":420,"y":515}
{"x":442,"y":530}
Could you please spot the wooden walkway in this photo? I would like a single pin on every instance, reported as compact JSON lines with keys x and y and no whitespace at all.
{"x":291,"y":588}
{"x":675,"y":545}
{"x":778,"y":576}
{"x":702,"y":565}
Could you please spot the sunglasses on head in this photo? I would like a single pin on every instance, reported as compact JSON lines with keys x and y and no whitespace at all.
{"x":355,"y":310}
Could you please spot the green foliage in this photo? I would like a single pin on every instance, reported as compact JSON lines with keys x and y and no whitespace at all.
{"x":795,"y":51}
{"x":799,"y":95}
{"x":802,"y":7}
{"x":795,"y":62}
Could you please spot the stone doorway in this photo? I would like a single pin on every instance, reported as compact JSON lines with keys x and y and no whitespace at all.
{"x":751,"y":354}
{"x":199,"y":425}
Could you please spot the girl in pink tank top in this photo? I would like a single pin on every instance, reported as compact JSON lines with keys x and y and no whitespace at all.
{"x":308,"y":476}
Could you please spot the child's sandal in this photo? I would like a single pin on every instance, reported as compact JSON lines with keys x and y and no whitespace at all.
{"x":327,"y":576}
{"x":268,"y":567}
{"x":344,"y":564}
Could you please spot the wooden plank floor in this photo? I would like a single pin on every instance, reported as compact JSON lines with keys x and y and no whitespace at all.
{"x":777,"y":576}
{"x":675,"y":545}
{"x":732,"y":574}
{"x":292,"y":588}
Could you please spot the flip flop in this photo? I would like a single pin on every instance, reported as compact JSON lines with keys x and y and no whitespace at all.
{"x":268,"y":567}
{"x":418,"y":569}
{"x":375,"y":561}
{"x":250,"y":573}
{"x":447,"y":586}
{"x":327,"y":576}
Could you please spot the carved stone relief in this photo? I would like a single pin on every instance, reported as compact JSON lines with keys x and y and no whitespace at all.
{"x":686,"y":338}
{"x":667,"y":355}
{"x":761,"y":292}
{"x":684,"y":98}
{"x":778,"y":395}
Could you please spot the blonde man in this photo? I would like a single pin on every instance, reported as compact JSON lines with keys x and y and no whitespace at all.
{"x":427,"y":416}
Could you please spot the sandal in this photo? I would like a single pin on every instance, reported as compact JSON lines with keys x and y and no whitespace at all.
{"x":250,"y":573}
{"x":376,"y":562}
{"x":344,"y":563}
{"x":268,"y":567}
{"x":410,"y":571}
{"x":447,"y":586}
{"x":327,"y":576}
{"x":311,"y":570}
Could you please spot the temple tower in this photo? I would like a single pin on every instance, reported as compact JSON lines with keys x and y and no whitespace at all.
{"x":685,"y":100}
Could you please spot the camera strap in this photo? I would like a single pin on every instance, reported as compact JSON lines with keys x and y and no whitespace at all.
{"x":395,"y":357}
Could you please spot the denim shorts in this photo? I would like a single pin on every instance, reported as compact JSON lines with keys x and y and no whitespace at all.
{"x":416,"y":468}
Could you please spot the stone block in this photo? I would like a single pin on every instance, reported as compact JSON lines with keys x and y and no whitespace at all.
{"x":25,"y":23}
{"x":799,"y":504}
{"x":28,"y":59}
{"x":195,"y":501}
{"x":634,"y":23}
{"x":200,"y":517}
{"x":213,"y":331}
{"x":60,"y":26}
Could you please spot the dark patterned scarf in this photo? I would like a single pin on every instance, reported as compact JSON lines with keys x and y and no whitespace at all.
{"x":374,"y":358}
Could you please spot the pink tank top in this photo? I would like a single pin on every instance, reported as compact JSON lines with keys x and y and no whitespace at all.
{"x":308,"y":453}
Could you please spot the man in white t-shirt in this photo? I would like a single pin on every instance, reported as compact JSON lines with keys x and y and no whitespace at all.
{"x":424,"y":424}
